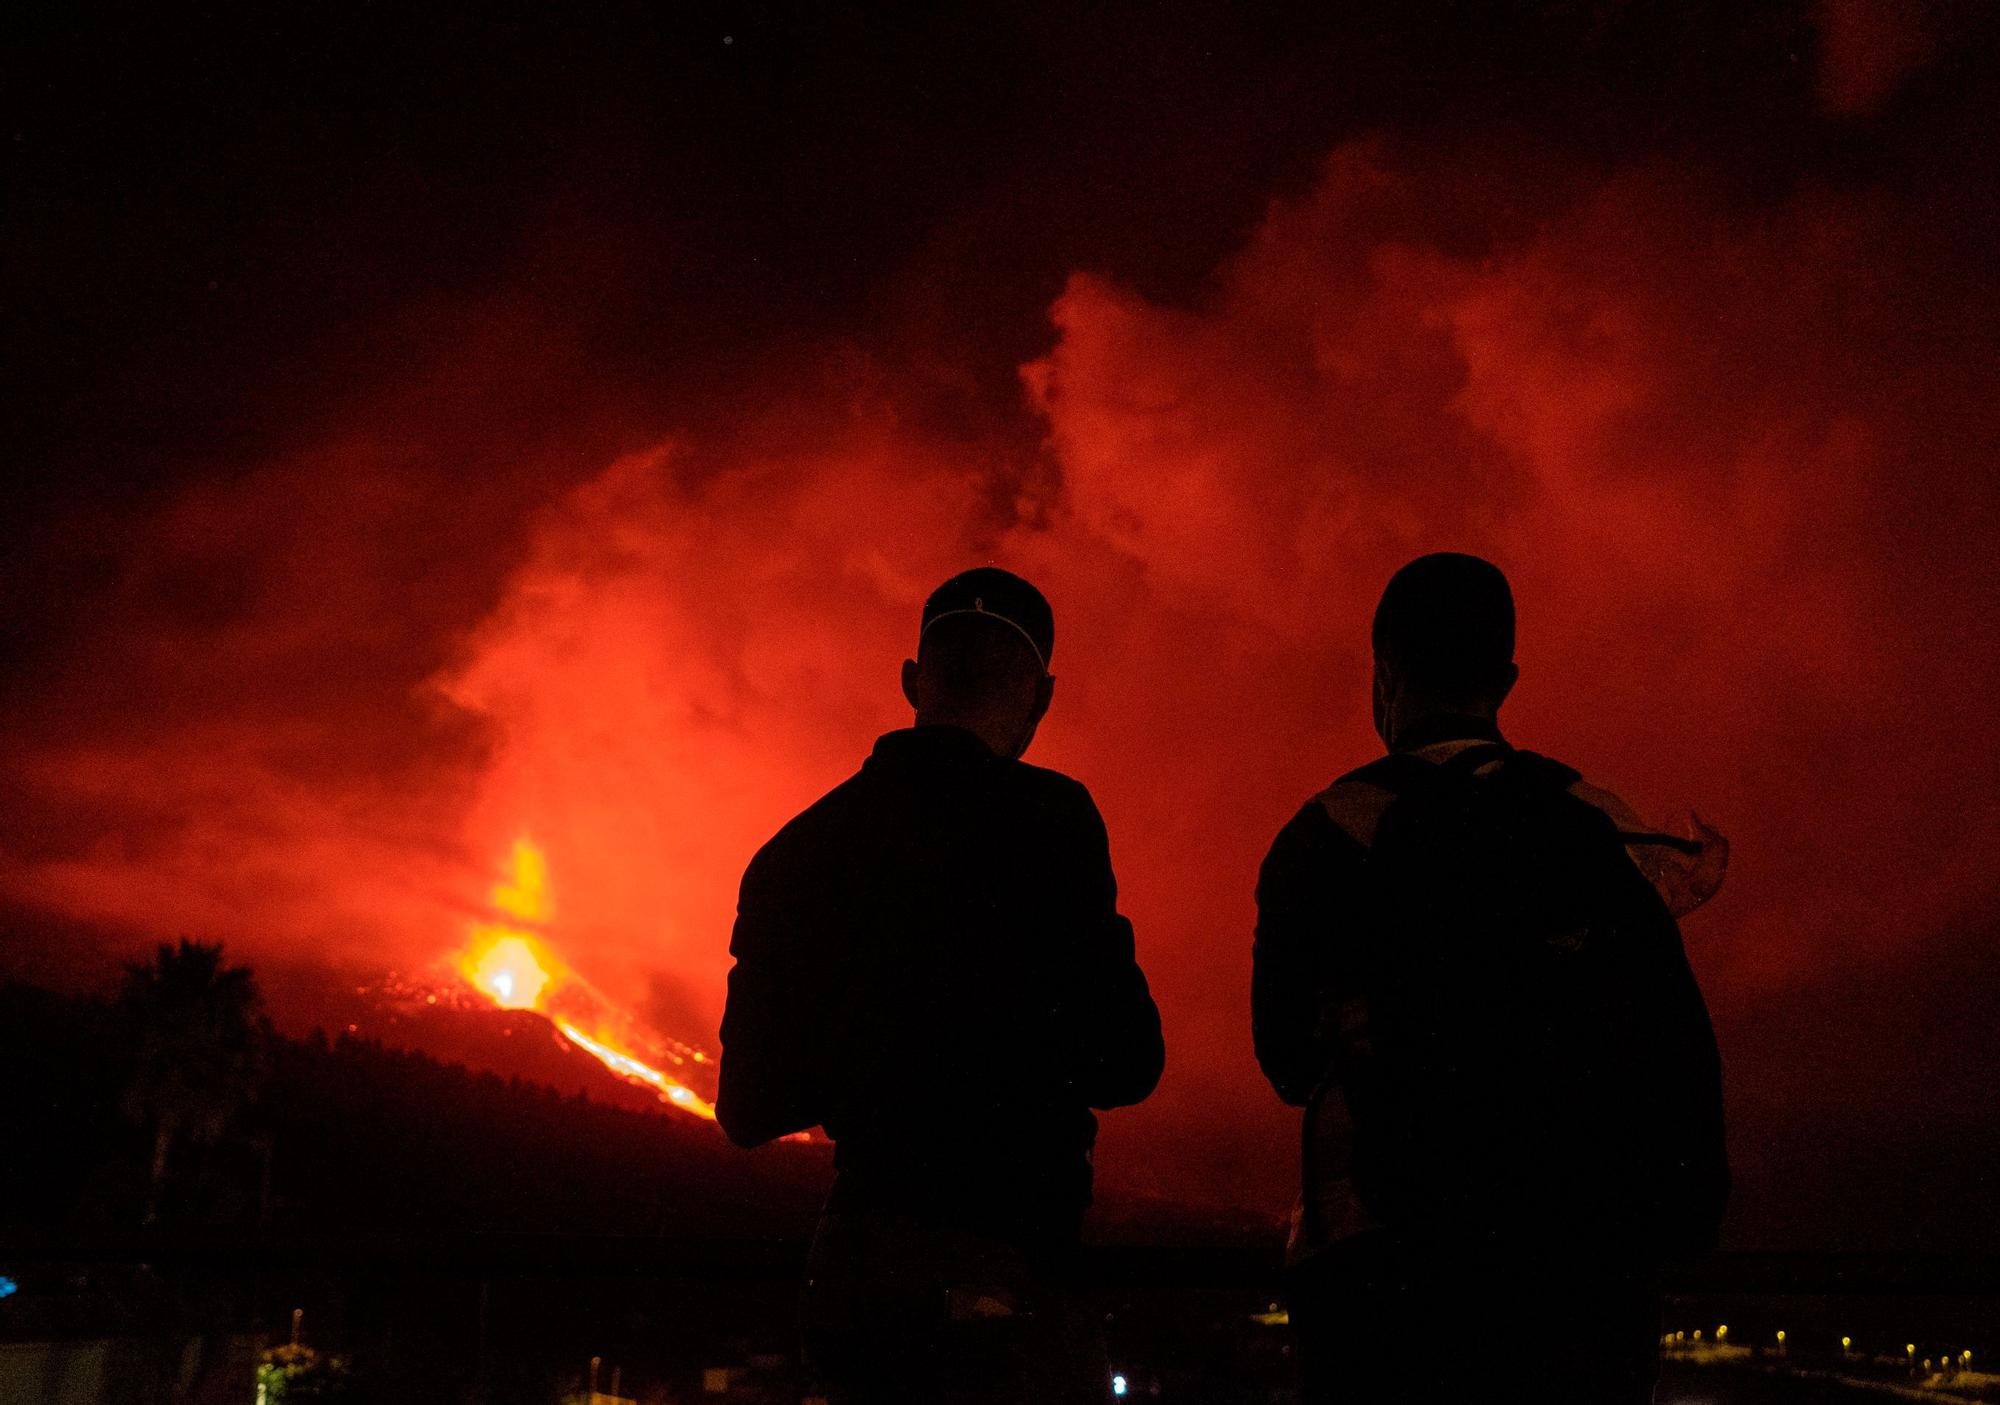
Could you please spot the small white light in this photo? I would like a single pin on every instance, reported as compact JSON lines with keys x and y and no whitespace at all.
{"x":1118,"y":1385}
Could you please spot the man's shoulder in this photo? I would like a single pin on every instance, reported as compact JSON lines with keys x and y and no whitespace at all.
{"x":1356,"y":802}
{"x":1041,"y":780}
{"x":1612,"y":804}
{"x":1342,"y":815}
{"x":1053,"y":796}
{"x":806,"y":832}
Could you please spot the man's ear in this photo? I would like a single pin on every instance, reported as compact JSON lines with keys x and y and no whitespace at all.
{"x":910,"y":681}
{"x":1045,"y":692}
{"x":1381,"y":694}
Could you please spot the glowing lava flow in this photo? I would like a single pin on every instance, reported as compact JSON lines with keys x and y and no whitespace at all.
{"x":512,"y":967}
{"x":633,"y":1070}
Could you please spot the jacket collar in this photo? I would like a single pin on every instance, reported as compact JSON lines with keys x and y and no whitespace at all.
{"x":930,"y":746}
{"x":1448,"y":727}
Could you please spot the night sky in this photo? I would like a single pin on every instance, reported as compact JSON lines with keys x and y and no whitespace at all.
{"x":438,"y":425}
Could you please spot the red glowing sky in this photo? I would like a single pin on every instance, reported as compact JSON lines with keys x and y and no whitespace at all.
{"x":1727,"y":424}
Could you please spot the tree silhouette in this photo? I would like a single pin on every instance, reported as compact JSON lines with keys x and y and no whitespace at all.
{"x":200,"y":1056}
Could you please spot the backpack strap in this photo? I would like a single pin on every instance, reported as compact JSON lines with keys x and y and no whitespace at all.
{"x":1471,"y":758}
{"x":1358,"y":800}
{"x":1691,"y":847}
{"x":1564,"y":777}
{"x":1395,"y":773}
{"x":1549,"y":770}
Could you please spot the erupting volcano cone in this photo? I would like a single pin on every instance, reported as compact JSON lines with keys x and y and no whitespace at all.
{"x":515,"y":969}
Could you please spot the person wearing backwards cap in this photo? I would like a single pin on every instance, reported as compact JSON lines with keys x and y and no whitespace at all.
{"x":930,"y":964}
{"x":1468,"y":972}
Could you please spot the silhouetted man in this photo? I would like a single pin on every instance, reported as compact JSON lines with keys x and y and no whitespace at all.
{"x":1468,"y":972}
{"x":930,"y":964}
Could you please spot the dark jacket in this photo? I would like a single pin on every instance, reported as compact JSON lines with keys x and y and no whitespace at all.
{"x":931,"y":965}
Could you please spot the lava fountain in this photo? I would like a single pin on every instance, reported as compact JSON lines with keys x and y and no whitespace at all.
{"x":510,"y":962}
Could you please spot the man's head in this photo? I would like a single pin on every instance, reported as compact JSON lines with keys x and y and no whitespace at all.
{"x":983,"y":659}
{"x":1444,"y":642}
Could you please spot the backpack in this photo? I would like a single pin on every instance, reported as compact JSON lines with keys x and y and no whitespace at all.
{"x":1539,"y":1061}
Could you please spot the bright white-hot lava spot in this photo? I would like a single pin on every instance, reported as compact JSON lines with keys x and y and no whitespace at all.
{"x":511,"y":964}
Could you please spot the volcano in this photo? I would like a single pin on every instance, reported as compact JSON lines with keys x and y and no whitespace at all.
{"x":457,"y":1026}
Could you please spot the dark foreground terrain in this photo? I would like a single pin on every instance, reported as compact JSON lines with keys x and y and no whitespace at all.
{"x":360,"y":1223}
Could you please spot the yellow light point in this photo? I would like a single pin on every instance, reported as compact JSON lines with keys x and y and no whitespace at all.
{"x":1722,"y":1331}
{"x":1781,"y":1338}
{"x":638,"y":1071}
{"x":509,"y":973}
{"x":525,"y":897}
{"x":1909,"y":1348}
{"x":1846,"y":1343}
{"x":1697,"y":1334}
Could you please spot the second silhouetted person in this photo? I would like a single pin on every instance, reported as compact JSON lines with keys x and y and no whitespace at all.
{"x":1468,"y":972}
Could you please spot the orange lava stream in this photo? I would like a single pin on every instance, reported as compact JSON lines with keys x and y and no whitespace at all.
{"x":509,"y":965}
{"x":637,"y":1071}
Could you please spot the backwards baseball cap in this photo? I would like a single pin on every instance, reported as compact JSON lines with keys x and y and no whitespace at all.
{"x":998,"y":595}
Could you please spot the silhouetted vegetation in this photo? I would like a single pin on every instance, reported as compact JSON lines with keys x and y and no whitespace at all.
{"x":198,"y":1035}
{"x":174,"y":1105}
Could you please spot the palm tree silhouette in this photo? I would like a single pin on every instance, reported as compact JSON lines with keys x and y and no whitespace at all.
{"x":200,"y":1032}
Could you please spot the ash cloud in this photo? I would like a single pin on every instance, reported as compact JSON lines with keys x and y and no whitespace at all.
{"x":1722,"y":454}
{"x":1730,"y":459}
